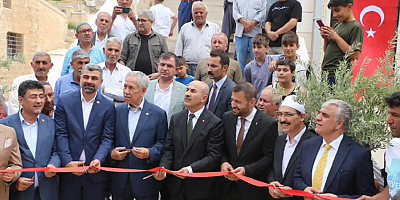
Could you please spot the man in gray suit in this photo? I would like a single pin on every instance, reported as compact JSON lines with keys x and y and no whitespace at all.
{"x":165,"y":92}
{"x":36,"y":138}
{"x":221,"y":87}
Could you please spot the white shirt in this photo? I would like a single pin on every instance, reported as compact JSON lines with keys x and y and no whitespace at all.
{"x":247,"y":124}
{"x":194,"y":122}
{"x":195,"y":45}
{"x":162,"y":98}
{"x":219,"y":85}
{"x":133,"y":118}
{"x":31,"y":135}
{"x":162,"y":22}
{"x":86,"y":109}
{"x":114,"y":82}
{"x":122,"y":27}
{"x":13,"y":103}
{"x":100,"y":44}
{"x":331,"y":157}
{"x":289,"y":149}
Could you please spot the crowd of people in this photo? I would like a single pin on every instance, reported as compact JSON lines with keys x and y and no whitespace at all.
{"x":125,"y":101}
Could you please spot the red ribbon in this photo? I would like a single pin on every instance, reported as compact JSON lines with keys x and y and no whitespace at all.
{"x":193,"y":175}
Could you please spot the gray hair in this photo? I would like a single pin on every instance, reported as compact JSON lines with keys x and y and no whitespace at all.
{"x":114,"y":40}
{"x":93,"y":67}
{"x":276,"y":99}
{"x":41,"y":53}
{"x":148,"y":13}
{"x":79,"y":53}
{"x":2,"y":100}
{"x":198,"y":3}
{"x":142,"y":79}
{"x":345,"y":112}
{"x":221,"y":33}
{"x":105,"y":13}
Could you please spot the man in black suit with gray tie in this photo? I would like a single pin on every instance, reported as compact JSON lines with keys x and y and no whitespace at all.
{"x":249,"y":143}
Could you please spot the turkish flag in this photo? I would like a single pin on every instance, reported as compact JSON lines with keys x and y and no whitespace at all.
{"x":378,"y":19}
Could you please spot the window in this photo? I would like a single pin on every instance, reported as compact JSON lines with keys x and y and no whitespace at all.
{"x":7,"y":4}
{"x":14,"y":44}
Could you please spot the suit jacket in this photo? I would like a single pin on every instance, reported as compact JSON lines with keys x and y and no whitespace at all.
{"x":256,"y":154}
{"x":73,"y":138}
{"x":223,"y":101}
{"x":150,"y":133}
{"x":9,"y":156}
{"x":177,"y":97}
{"x":350,"y":176}
{"x":46,"y":153}
{"x":202,"y":154}
{"x":276,"y":172}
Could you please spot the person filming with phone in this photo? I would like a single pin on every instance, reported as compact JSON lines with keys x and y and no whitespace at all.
{"x":346,"y":35}
{"x":123,"y":20}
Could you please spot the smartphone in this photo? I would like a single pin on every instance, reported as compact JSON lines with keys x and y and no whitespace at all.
{"x":125,"y":9}
{"x":320,"y":23}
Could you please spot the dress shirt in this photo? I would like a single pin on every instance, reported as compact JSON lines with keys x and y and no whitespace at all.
{"x":194,"y":121}
{"x":247,"y":124}
{"x":194,"y":44}
{"x":96,"y":56}
{"x":122,"y":27}
{"x":331,"y":157}
{"x":13,"y":103}
{"x":219,"y":85}
{"x":31,"y":135}
{"x":249,"y":10}
{"x":289,"y":149}
{"x":162,"y":98}
{"x":64,"y":84}
{"x":100,"y":44}
{"x":113,"y":82}
{"x":133,"y":119}
{"x":258,"y":75}
{"x":86,"y":109}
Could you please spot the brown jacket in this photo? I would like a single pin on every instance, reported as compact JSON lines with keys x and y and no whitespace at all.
{"x":9,"y":157}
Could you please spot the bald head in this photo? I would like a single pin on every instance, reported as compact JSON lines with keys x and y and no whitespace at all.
{"x":196,"y":95}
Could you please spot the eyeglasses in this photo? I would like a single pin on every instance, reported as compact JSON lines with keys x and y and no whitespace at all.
{"x":87,"y":30}
{"x":142,"y":20}
{"x":285,"y":114}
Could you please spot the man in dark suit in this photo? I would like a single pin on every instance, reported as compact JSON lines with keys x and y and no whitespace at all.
{"x":221,"y":87}
{"x":249,"y":140}
{"x":193,"y":144}
{"x":36,"y":138}
{"x":333,"y":164}
{"x":140,"y":128}
{"x":287,"y":146}
{"x":85,"y":122}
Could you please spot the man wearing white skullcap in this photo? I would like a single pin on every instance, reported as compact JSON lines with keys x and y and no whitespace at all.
{"x":287,"y":146}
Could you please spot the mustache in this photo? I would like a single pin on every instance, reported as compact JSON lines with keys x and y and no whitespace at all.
{"x":210,"y":73}
{"x":41,"y":69}
{"x":285,"y":123}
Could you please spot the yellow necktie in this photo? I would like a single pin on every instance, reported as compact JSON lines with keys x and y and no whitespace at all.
{"x":319,"y":172}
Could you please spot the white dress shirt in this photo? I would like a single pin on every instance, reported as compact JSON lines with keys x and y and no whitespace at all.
{"x":100,"y":44}
{"x":31,"y":135}
{"x":289,"y":149}
{"x":162,"y":98}
{"x":86,"y":109}
{"x":133,"y":119}
{"x":219,"y":85}
{"x":194,"y":122}
{"x":122,"y":27}
{"x":113,"y":82}
{"x":331,"y":157}
{"x":247,"y":124}
{"x":194,"y":44}
{"x":13,"y":103}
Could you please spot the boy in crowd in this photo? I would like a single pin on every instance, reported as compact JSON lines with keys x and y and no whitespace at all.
{"x":256,"y":72}
{"x":344,"y":36}
{"x":163,"y":15}
{"x":181,"y":73}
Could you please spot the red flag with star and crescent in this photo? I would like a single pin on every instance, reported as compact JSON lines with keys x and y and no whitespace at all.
{"x":379,"y":21}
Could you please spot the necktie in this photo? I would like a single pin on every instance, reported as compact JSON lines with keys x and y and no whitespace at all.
{"x":319,"y":172}
{"x":240,"y":135}
{"x":211,"y":106}
{"x":189,"y":128}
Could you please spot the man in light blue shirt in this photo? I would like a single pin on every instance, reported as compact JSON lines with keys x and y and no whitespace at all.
{"x":84,"y":33}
